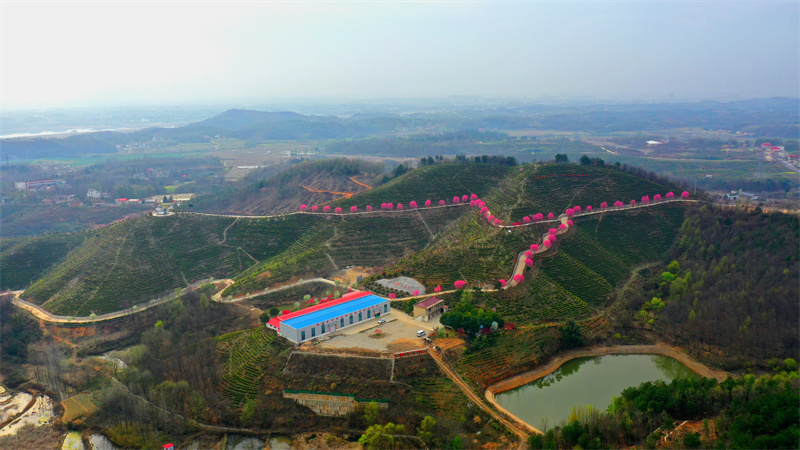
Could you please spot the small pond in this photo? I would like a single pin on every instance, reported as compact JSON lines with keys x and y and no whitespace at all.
{"x":548,"y":401}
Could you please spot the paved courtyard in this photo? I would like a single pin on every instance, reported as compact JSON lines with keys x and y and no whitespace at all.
{"x":399,"y":333}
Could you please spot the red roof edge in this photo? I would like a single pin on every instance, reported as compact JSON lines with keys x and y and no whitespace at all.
{"x":338,"y":301}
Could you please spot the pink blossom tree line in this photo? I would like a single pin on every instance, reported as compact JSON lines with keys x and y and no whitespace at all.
{"x":459,"y":284}
{"x":327,"y":208}
{"x":415,"y":293}
{"x":441,"y":203}
{"x":428,"y":203}
{"x":550,"y":216}
{"x":519,"y":278}
{"x":412,"y":204}
{"x":685,"y":194}
{"x":354,"y":209}
{"x":437,"y":289}
{"x":338,"y":210}
{"x":603,"y":205}
{"x":314,"y":208}
{"x":303,"y":207}
{"x":369,"y":208}
{"x":535,"y":247}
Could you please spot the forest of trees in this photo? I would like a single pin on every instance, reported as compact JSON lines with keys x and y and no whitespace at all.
{"x":738,"y":413}
{"x":733,"y":286}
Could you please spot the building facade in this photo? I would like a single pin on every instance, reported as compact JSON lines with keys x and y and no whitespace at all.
{"x":326,"y":318}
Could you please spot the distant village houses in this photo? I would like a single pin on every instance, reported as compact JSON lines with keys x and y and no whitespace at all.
{"x":34,"y":185}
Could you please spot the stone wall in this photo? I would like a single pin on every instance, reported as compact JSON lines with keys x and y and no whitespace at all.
{"x":329,"y":404}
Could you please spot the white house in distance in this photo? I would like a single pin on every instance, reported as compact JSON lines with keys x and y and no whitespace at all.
{"x":325,"y":318}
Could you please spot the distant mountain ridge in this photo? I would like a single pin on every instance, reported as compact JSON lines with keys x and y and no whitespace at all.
{"x":235,"y":119}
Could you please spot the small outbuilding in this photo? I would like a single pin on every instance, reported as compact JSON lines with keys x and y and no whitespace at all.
{"x":428,"y":307}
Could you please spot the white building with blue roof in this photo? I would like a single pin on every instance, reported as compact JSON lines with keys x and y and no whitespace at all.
{"x":317,"y":321}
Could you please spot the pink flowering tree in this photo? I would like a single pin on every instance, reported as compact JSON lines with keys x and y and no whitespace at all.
{"x":685,"y":194}
{"x":369,"y":208}
{"x":502,"y":282}
{"x":437,"y":289}
{"x":603,"y":205}
{"x":303,"y":207}
{"x":589,"y":209}
{"x":547,"y":243}
{"x":399,"y":206}
{"x":645,"y":199}
{"x":577,"y":209}
{"x":456,"y":200}
{"x":354,"y":209}
{"x":550,"y":216}
{"x":392,"y":295}
{"x":338,"y":210}
{"x":528,"y":254}
{"x":484,"y":210}
{"x":670,"y":195}
{"x":570,"y":223}
{"x":561,"y":227}
{"x":618,"y":204}
{"x":526,"y":219}
{"x":473,"y":197}
{"x":441,"y":203}
{"x":553,"y":231}
{"x":529,"y":262}
{"x":428,"y":203}
{"x":327,"y":208}
{"x":534,"y":247}
{"x":314,"y":208}
{"x":657,"y":197}
{"x":415,"y":292}
{"x":519,"y":278}
{"x":569,"y":212}
{"x":412,"y":204}
{"x":390,"y":206}
{"x":464,"y":198}
{"x":552,"y":238}
{"x":459,"y":284}
{"x":633,"y":202}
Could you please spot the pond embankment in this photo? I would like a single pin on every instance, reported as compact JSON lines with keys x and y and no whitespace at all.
{"x":554,"y":364}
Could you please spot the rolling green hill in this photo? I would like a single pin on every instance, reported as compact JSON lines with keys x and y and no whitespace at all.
{"x":145,"y":258}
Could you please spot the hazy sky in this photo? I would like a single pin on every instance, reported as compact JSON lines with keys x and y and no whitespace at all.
{"x":76,"y":54}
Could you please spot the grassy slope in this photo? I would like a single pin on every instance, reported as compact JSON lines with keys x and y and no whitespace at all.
{"x":23,"y":260}
{"x":589,"y":262}
{"x":141,"y":259}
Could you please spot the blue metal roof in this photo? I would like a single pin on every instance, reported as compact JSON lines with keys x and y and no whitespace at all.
{"x":326,"y":314}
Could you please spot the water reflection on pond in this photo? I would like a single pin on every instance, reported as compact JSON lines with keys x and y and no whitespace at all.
{"x":547,"y":401}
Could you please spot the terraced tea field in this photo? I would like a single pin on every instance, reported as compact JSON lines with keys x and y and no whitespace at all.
{"x":25,"y":259}
{"x":556,"y":187}
{"x":514,"y":352}
{"x":439,"y":182}
{"x":432,"y":391}
{"x":247,"y":356}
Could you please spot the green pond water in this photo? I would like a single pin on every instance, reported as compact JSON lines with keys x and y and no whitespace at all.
{"x":548,"y":401}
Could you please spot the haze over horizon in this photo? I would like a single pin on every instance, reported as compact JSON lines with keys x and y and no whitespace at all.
{"x":114,"y":54}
